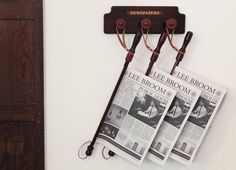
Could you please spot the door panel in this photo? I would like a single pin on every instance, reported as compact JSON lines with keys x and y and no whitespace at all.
{"x":17,"y":66}
{"x":21,"y":86}
{"x":16,"y":146}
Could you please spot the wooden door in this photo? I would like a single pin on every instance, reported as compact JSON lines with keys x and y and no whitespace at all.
{"x":21,"y":85}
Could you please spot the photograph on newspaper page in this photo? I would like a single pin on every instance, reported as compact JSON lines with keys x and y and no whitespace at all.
{"x":201,"y":117}
{"x":135,"y":115}
{"x":176,"y":117}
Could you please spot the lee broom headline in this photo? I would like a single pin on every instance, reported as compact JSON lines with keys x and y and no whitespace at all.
{"x":151,"y":85}
{"x":175,"y":85}
{"x":199,"y":84}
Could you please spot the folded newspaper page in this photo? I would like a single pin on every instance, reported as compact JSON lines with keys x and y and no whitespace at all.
{"x":201,"y":117}
{"x":176,"y":117}
{"x":135,"y":115}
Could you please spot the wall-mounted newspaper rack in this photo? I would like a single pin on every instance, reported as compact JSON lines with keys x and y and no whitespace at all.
{"x":132,"y":16}
{"x":139,"y":21}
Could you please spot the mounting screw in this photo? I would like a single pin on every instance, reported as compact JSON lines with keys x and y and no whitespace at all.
{"x":171,"y":23}
{"x":120,"y":23}
{"x":146,"y":23}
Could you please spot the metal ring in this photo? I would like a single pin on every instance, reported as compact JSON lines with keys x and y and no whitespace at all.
{"x":103,"y":155}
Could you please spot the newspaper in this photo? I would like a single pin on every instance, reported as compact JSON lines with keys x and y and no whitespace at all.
{"x":135,"y":115}
{"x":200,"y":118}
{"x":176,"y":117}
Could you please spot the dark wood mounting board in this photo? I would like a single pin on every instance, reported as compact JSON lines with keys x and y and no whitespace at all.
{"x":134,"y":14}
